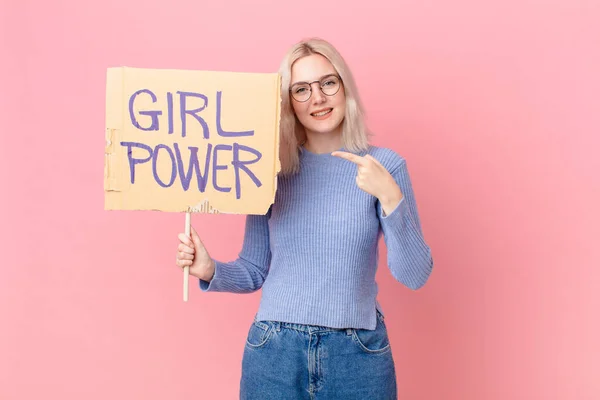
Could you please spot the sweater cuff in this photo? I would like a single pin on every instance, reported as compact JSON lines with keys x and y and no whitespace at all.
{"x":394,"y":219}
{"x":216,"y":283}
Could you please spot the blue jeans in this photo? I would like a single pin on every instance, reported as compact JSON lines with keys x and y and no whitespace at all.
{"x":287,"y":361}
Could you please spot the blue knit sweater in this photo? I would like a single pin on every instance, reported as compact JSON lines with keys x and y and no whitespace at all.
{"x":315,"y":252}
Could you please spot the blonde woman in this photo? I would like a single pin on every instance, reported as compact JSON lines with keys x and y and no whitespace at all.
{"x":319,"y":332}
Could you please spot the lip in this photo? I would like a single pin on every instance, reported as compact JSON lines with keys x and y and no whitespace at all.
{"x":323,"y":116}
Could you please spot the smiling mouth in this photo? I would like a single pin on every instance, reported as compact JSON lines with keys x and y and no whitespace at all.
{"x":322,"y":113}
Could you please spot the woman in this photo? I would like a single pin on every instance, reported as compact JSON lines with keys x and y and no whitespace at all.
{"x":319,"y":332}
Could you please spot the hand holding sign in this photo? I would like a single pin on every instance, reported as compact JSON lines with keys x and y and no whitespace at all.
{"x":373,"y":178}
{"x":192,"y":254}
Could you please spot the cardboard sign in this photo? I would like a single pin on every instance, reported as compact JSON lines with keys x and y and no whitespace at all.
{"x":191,"y":141}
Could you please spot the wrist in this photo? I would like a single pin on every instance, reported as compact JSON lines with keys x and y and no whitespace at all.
{"x":390,"y":200}
{"x":207,"y":273}
{"x":210,"y":272}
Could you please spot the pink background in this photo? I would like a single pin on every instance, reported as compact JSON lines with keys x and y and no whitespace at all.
{"x":494,"y":104}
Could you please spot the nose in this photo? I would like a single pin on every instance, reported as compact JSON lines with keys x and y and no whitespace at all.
{"x":317,"y":96}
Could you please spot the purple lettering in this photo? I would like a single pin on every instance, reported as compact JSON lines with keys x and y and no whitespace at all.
{"x":216,"y":167}
{"x":154,"y":162}
{"x":220,"y":131}
{"x":238,"y":164}
{"x":193,"y":166}
{"x":153,"y":114}
{"x":134,"y":161}
{"x":183,"y":107}
{"x":170,"y":111}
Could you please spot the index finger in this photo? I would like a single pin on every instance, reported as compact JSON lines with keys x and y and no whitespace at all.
{"x":358,"y":160}
{"x":185,"y":239}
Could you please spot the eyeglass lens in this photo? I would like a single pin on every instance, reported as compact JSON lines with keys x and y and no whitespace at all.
{"x":328,"y":85}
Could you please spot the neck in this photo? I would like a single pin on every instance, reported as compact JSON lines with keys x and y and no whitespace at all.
{"x":320,"y":143}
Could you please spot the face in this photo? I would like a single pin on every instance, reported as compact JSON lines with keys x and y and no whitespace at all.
{"x":320,"y":114}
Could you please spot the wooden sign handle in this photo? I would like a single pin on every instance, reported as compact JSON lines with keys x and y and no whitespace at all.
{"x":186,"y":270}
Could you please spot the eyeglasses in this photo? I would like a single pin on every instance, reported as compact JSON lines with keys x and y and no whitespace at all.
{"x":329,"y":85}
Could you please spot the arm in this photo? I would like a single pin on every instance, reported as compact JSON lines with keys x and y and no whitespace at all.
{"x":409,"y":256}
{"x":246,"y":274}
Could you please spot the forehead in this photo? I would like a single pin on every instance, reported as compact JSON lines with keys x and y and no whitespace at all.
{"x":311,"y":68}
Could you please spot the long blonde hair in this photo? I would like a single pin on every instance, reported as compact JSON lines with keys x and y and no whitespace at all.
{"x":292,"y":134}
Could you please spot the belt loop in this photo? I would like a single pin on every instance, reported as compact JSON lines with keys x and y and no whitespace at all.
{"x":349,"y":331}
{"x":277,"y":326}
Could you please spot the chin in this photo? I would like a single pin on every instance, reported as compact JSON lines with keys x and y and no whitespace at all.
{"x":328,"y":131}
{"x":327,"y":128}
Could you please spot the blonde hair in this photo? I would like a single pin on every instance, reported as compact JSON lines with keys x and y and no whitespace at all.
{"x":292,"y":134}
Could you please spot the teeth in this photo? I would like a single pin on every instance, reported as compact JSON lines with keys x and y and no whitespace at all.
{"x":320,"y":114}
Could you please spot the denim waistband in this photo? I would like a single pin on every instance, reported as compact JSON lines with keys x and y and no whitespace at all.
{"x":310,"y":328}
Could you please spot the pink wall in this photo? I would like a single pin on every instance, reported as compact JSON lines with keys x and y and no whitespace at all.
{"x":494,"y":104}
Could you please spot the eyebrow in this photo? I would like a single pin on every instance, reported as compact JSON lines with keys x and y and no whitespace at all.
{"x":324,"y":76}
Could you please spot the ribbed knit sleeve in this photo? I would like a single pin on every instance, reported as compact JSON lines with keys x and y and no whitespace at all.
{"x":246,"y":274}
{"x":409,"y":256}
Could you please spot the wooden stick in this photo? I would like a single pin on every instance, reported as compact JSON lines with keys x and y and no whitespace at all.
{"x":186,"y":270}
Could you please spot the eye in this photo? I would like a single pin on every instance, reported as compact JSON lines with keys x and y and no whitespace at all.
{"x":300,"y":90}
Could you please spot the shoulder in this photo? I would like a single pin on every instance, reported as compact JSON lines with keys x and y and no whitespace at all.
{"x":389,"y":158}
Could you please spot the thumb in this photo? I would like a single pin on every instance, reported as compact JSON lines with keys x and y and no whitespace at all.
{"x":195,"y":237}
